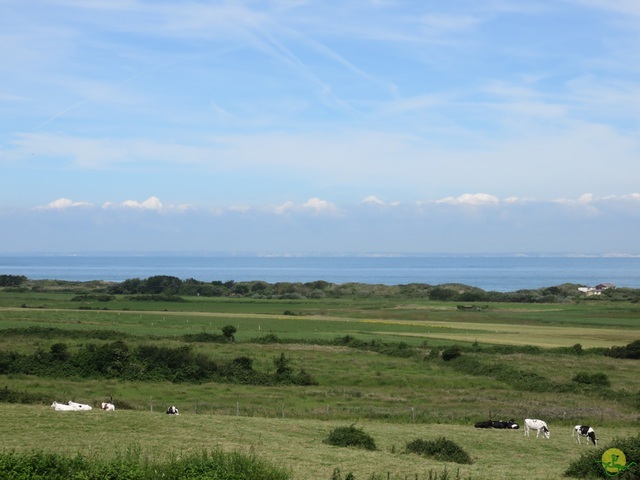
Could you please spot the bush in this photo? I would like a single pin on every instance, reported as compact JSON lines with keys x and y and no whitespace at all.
{"x":439,"y":449}
{"x":589,"y":465}
{"x":599,"y":379}
{"x":631,"y":350}
{"x":451,"y":353}
{"x":351,"y":437}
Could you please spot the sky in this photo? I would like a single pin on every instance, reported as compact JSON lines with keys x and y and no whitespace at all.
{"x":294,"y":126}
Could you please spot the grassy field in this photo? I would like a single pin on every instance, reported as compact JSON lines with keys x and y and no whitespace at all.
{"x":394,"y":399}
{"x":295,"y":443}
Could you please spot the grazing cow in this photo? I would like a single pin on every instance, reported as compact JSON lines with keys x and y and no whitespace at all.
{"x":108,"y":407}
{"x":62,"y":407}
{"x":79,"y":406}
{"x":172,"y":410}
{"x":537,"y":425}
{"x":585,"y":431}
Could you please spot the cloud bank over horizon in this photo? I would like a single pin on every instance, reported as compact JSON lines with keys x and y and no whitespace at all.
{"x":595,"y":225}
{"x":286,"y":126}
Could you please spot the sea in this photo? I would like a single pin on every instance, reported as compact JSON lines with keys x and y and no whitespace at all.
{"x":500,"y":273}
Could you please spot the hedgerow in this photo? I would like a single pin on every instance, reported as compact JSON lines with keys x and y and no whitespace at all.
{"x":143,"y":363}
{"x":131,"y":465}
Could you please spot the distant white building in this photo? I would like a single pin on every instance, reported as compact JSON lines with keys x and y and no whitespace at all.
{"x":597,"y":290}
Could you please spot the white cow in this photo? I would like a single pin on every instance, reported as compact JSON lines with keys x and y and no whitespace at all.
{"x":585,"y":431}
{"x":172,"y":410}
{"x":108,"y":407}
{"x":538,"y":425}
{"x":62,"y":407}
{"x":79,"y":406}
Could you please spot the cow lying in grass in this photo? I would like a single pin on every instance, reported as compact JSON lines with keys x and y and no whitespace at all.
{"x":585,"y":431}
{"x":70,"y":407}
{"x":107,"y":407}
{"x":172,"y":410}
{"x":62,"y":407}
{"x":79,"y":406}
{"x":497,"y":424}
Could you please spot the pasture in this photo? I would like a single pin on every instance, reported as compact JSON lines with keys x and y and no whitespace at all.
{"x":294,"y":443}
{"x":394,"y":398}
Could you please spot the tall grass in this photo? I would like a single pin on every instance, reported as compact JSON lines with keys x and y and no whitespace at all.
{"x":133,"y":465}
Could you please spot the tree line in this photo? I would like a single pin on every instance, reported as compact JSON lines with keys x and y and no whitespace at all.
{"x":171,"y":288}
{"x":119,"y":360}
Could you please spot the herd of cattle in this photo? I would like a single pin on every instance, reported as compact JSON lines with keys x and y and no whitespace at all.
{"x":107,"y":407}
{"x":540,"y":426}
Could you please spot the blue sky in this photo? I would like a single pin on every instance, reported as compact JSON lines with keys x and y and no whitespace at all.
{"x":293,"y":126}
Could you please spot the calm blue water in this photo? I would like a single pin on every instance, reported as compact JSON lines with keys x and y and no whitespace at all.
{"x":499,"y":273}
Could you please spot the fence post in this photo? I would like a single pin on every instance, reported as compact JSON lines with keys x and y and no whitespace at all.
{"x":282,"y":409}
{"x":237,"y":409}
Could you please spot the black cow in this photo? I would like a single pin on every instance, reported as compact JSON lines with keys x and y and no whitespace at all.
{"x":497,"y":424}
{"x":509,"y":424}
{"x":488,"y":424}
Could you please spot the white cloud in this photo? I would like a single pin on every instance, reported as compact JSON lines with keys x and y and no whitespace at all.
{"x":372,"y":200}
{"x":62,"y":204}
{"x":151,"y":203}
{"x":320,"y":206}
{"x":284,"y":208}
{"x":471,"y":199}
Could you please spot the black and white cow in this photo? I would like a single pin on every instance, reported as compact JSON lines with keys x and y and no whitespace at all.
{"x":497,"y":424}
{"x":172,"y":410}
{"x":537,"y":425}
{"x":500,"y":424}
{"x":585,"y":431}
{"x":487,"y":424}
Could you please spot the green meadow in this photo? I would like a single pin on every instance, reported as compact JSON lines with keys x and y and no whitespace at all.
{"x":516,"y":360}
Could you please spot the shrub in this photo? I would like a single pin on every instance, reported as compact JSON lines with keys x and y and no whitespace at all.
{"x":451,"y":353}
{"x":589,"y":465}
{"x":439,"y":449}
{"x":351,"y":437}
{"x":599,"y":379}
{"x":631,"y":350}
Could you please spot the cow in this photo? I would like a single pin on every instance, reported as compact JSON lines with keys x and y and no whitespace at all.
{"x":62,"y":407}
{"x":538,"y":425}
{"x":497,"y":424}
{"x":585,"y":431}
{"x":172,"y":410}
{"x":108,"y":407}
{"x":79,"y":406}
{"x":501,"y":424}
{"x":487,"y":424}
